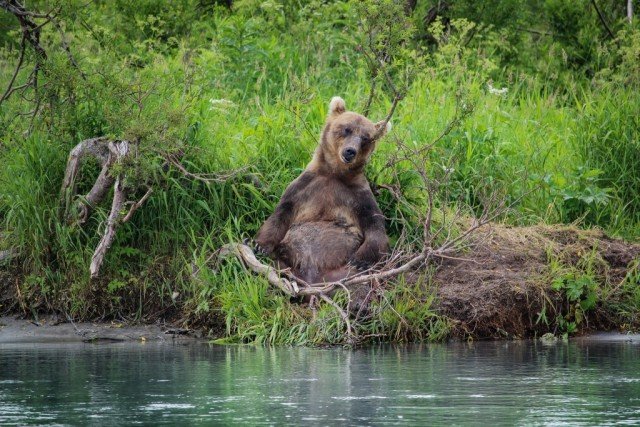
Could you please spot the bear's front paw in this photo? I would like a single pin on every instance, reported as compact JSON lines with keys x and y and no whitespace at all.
{"x":255,"y":246}
{"x":263,"y":250}
{"x":359,"y":264}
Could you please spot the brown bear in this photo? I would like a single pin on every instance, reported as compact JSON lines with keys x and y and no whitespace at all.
{"x":327,"y":224}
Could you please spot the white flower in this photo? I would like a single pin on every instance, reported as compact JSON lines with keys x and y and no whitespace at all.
{"x":494,"y":91}
{"x":220,"y":104}
{"x":447,"y":169}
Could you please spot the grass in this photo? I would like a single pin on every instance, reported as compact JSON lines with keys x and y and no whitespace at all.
{"x":239,"y":91}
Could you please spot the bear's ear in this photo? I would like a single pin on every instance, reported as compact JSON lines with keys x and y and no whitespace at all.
{"x":337,"y":106}
{"x":380,"y":131}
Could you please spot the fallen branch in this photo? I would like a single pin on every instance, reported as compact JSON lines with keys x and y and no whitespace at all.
{"x":245,"y":254}
{"x":97,"y":148}
{"x":294,"y":286}
{"x":136,"y":205}
{"x":119,"y":150}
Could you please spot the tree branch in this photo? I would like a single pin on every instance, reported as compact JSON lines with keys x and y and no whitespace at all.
{"x":135,"y":206}
{"x":604,"y":23}
{"x":119,"y":197}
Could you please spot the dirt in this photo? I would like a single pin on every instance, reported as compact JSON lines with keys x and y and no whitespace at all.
{"x":503,"y":284}
{"x":51,"y":329}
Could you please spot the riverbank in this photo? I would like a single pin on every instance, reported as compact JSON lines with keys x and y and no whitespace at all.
{"x":53,"y":329}
{"x":528,"y":281}
{"x":512,"y":283}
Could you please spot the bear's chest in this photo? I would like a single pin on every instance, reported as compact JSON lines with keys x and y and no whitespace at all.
{"x":327,"y":201}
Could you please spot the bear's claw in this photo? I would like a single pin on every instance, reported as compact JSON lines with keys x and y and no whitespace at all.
{"x":257,"y":249}
{"x":359,"y":265}
{"x":260,"y":250}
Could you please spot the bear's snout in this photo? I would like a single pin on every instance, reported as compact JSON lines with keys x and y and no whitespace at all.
{"x":348,"y":154}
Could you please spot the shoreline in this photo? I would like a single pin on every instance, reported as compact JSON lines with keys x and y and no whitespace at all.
{"x":51,"y":329}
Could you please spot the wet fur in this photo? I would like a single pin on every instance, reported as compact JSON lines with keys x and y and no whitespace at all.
{"x":328,"y":223}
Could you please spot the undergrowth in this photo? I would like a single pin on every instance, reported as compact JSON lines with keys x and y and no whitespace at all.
{"x":248,"y":87}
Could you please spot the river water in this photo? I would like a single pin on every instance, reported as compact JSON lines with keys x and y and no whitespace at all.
{"x":594,"y":382}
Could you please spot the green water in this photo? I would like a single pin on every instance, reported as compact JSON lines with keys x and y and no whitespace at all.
{"x":522,"y":383}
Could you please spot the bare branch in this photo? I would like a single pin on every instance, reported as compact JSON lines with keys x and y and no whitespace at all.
{"x":137,"y":205}
{"x":602,"y":20}
{"x":205,"y":177}
{"x":67,"y":49}
{"x":119,"y":197}
{"x":343,"y":315}
{"x":372,"y":92}
{"x":10,"y":89}
{"x":31,"y":24}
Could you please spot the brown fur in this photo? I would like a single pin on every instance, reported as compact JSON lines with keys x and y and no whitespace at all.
{"x":328,"y":222}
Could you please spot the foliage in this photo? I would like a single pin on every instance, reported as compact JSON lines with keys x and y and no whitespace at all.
{"x":582,"y":284}
{"x":248,"y":86}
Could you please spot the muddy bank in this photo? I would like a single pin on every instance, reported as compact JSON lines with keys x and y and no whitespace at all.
{"x":500,"y":288}
{"x":50,"y":329}
{"x":505,"y":281}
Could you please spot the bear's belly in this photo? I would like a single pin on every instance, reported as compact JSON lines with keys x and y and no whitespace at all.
{"x":313,"y":250}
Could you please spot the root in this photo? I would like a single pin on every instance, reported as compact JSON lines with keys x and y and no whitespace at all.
{"x":245,"y":254}
{"x":108,"y":153}
{"x":113,"y":221}
{"x":97,"y":148}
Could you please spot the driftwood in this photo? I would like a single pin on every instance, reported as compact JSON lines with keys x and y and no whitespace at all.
{"x":108,"y":153}
{"x":97,"y":148}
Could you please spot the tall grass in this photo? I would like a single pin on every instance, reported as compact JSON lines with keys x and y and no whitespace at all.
{"x":245,"y":89}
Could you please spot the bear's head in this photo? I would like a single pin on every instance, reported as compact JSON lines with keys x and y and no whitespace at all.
{"x":348,"y":139}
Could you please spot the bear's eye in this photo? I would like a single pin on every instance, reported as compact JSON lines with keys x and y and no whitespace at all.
{"x":365,"y":141}
{"x":347,"y":131}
